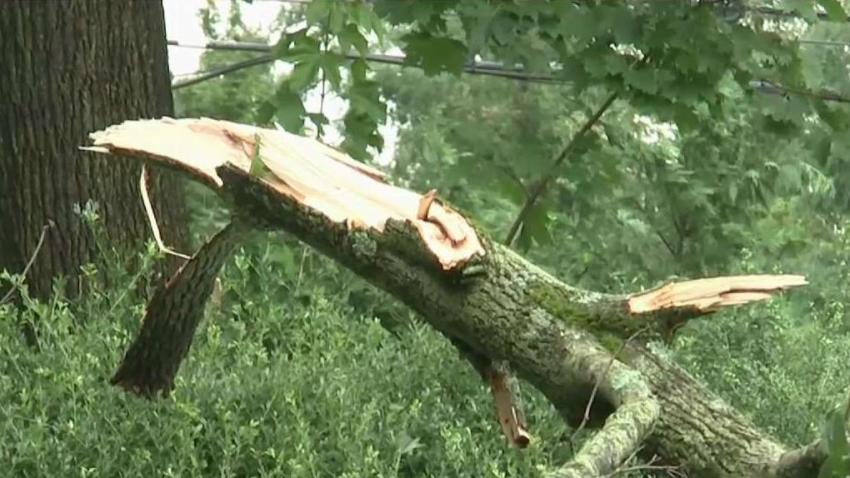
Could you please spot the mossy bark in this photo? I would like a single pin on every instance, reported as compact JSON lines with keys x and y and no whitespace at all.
{"x":570,"y":343}
{"x":550,"y":340}
{"x":69,"y":68}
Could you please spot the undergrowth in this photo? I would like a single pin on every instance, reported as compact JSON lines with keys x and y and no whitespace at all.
{"x":302,"y":371}
{"x":283,"y":379}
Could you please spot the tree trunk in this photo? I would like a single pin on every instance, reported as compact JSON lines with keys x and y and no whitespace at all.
{"x":68,"y":68}
{"x":575,"y":346}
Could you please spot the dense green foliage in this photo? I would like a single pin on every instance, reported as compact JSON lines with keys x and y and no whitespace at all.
{"x":302,"y":370}
{"x":285,"y":379}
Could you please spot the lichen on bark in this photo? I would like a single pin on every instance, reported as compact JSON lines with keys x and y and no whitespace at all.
{"x":552,"y":335}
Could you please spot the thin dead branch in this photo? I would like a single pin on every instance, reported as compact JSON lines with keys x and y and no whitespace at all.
{"x":144,"y":183}
{"x":586,"y":417}
{"x":540,"y":186}
{"x":31,"y":260}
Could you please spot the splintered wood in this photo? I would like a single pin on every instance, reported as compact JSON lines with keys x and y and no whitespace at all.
{"x":708,"y":295}
{"x":302,"y":169}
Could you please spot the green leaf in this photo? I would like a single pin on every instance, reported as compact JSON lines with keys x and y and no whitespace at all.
{"x":409,"y":11}
{"x":283,"y":45}
{"x":622,"y":21}
{"x":836,"y":118}
{"x":284,"y":259}
{"x":330,"y":63}
{"x":265,"y":112}
{"x":790,"y":109}
{"x":729,"y":88}
{"x":806,"y":9}
{"x":258,"y":168}
{"x":302,"y":48}
{"x":320,"y":120}
{"x":840,"y":146}
{"x":317,"y":11}
{"x":359,"y":68}
{"x":434,"y":54}
{"x":303,"y":75}
{"x":350,"y":36}
{"x":579,"y":23}
{"x":536,"y":225}
{"x":289,"y":110}
{"x":834,"y":10}
{"x":407,"y":444}
{"x":642,"y":79}
{"x":336,"y":18}
{"x":364,"y":97}
{"x":510,"y":188}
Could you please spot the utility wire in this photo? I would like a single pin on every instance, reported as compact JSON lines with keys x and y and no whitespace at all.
{"x":202,"y":76}
{"x":487,"y":68}
{"x":476,"y":67}
{"x":825,"y":42}
{"x":778,"y":12}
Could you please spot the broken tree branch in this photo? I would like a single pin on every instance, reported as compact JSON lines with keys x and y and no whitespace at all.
{"x":480,"y":293}
{"x":586,"y":418}
{"x":171,"y":317}
{"x":623,"y":432}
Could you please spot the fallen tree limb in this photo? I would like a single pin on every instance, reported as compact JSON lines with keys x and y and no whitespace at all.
{"x":172,"y":315}
{"x":485,"y":296}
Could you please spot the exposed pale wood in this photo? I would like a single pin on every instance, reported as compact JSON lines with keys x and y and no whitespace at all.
{"x":510,"y":416}
{"x":708,"y":295}
{"x":315,"y":174}
{"x":144,"y":188}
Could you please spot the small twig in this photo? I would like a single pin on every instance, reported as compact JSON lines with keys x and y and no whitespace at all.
{"x":541,"y":185}
{"x":666,"y":242}
{"x":324,"y":80}
{"x":146,"y":200}
{"x":595,"y":389}
{"x":31,"y":260}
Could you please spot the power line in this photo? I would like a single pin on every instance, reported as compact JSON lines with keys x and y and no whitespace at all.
{"x":475,"y":67}
{"x":772,"y":88}
{"x":487,"y":68}
{"x":778,"y":12}
{"x":824,"y":42}
{"x":202,"y":76}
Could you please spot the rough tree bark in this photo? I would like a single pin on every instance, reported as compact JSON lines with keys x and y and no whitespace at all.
{"x":569,"y":343}
{"x":68,"y":68}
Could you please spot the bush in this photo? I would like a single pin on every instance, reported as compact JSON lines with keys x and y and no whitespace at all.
{"x":272,"y":387}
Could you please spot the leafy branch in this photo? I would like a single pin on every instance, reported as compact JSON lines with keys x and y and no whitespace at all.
{"x":538,"y":189}
{"x":485,"y":68}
